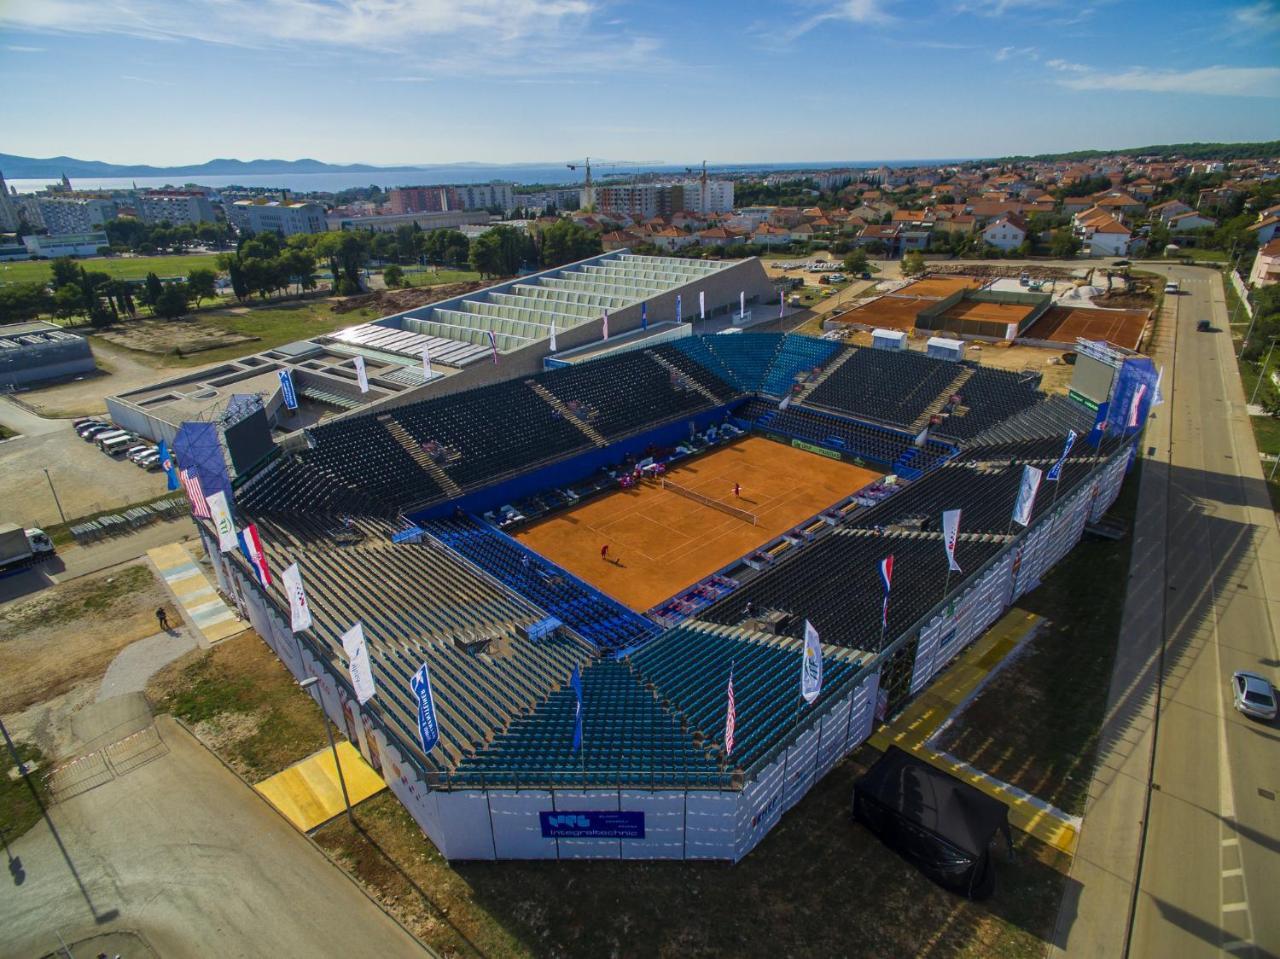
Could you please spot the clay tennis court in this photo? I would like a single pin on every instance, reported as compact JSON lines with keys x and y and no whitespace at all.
{"x":887,"y":312}
{"x":1062,"y":324}
{"x":940,"y":287}
{"x":660,"y":542}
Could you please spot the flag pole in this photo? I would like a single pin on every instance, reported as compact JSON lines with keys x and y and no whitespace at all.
{"x":946,"y":583}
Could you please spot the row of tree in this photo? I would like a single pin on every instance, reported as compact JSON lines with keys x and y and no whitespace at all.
{"x":134,"y":236}
{"x":101,"y":298}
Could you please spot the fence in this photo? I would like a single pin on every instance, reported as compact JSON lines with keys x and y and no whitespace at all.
{"x":1242,"y":291}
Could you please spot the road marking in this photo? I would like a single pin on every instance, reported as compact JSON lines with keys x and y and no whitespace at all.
{"x":1231,"y":841}
{"x":1228,"y":873}
{"x":1234,"y":906}
{"x":1236,"y":944}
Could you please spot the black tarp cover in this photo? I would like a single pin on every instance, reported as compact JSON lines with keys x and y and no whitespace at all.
{"x":940,"y":823}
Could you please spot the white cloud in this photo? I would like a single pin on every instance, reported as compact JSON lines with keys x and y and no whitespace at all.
{"x":1257,"y":20}
{"x":13,"y":48}
{"x":1010,"y":53}
{"x":533,"y":36}
{"x":1208,"y":81}
{"x":147,"y":80}
{"x":871,"y":12}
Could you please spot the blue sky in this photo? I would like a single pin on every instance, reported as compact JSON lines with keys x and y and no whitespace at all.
{"x":395,"y":81}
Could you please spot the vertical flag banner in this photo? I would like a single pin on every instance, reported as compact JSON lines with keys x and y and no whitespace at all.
{"x":299,"y":610}
{"x":1135,"y":406}
{"x":811,"y":664}
{"x":950,"y":530}
{"x":426,"y":363}
{"x":702,"y":305}
{"x":782,"y":303}
{"x":1099,"y":429}
{"x":251,"y":546}
{"x":286,"y":387}
{"x":1026,"y":495}
{"x":576,"y":682}
{"x":678,"y":308}
{"x":493,"y":346}
{"x":605,"y":334}
{"x":1056,"y":470}
{"x":221,"y":515}
{"x":1157,"y":398}
{"x":644,"y":316}
{"x":428,"y":729}
{"x":353,"y":645}
{"x":361,"y":375}
{"x":166,"y":464}
{"x":730,"y":718}
{"x":553,"y":336}
{"x":742,"y":303}
{"x":195,"y":494}
{"x":886,"y":581}
{"x":922,"y":437}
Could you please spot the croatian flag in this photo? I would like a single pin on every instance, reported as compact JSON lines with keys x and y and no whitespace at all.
{"x":493,"y":345}
{"x":886,"y":580}
{"x":730,"y":718}
{"x":576,"y":682}
{"x":644,"y":316}
{"x":195,"y":493}
{"x":251,"y":546}
{"x":1135,"y":405}
{"x":606,"y":325}
{"x":1056,"y":470}
{"x":166,"y":464}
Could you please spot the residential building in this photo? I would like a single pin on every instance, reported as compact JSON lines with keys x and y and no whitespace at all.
{"x":446,"y":220}
{"x":8,"y":212}
{"x":646,"y":200}
{"x":75,"y":214}
{"x":277,"y":216}
{"x":1268,"y":222}
{"x":1101,"y":233}
{"x":177,"y":207}
{"x":566,"y":199}
{"x":48,"y":246}
{"x":1189,"y":221}
{"x":1006,"y":233}
{"x":1266,"y":265}
{"x":440,"y":199}
{"x":1169,"y":209}
{"x":670,"y":238}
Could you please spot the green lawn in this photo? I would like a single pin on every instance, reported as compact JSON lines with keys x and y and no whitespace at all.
{"x":19,"y":809}
{"x":1266,"y":429}
{"x":428,"y":278}
{"x":126,"y":268}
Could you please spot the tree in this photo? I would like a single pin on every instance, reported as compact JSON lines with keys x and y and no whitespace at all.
{"x":856,"y":262}
{"x":500,"y":251}
{"x":24,"y":301}
{"x":202,"y":285}
{"x":1065,"y":244}
{"x":913,"y":264}
{"x":151,"y":290}
{"x":393,"y":276}
{"x":566,"y":242}
{"x":172,"y":301}
{"x":347,"y":252}
{"x":65,"y":272}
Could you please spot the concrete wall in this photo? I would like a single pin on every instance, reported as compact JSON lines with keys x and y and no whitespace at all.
{"x":45,"y":361}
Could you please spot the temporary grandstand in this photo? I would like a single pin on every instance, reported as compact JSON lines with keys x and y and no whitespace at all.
{"x":408,"y":520}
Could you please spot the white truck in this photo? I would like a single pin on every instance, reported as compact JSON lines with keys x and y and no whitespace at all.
{"x":22,"y":547}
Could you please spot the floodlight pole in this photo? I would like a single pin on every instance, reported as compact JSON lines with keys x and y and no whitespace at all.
{"x":56,"y":502}
{"x":333,"y":747}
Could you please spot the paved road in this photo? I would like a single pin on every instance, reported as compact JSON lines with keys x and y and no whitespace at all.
{"x":25,"y":422}
{"x":1211,"y":862}
{"x":183,"y":852}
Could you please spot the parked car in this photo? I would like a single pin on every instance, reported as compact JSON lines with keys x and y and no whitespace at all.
{"x":1171,"y":287}
{"x":1253,"y":695}
{"x":93,"y":429}
{"x":148,"y":460}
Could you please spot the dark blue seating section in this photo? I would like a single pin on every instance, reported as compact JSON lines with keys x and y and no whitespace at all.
{"x":798,"y":354}
{"x":747,"y":355}
{"x":989,"y":397}
{"x":867,"y":440}
{"x":890,"y":386}
{"x":496,"y":429}
{"x":600,"y":620}
{"x":627,"y":738}
{"x":690,"y":671}
{"x":294,"y":484}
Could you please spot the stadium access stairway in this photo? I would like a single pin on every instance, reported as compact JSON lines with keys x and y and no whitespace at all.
{"x":600,"y":620}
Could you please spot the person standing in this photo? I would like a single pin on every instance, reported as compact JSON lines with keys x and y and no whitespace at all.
{"x":604,"y":552}
{"x":162,"y":618}
{"x":737,"y":489}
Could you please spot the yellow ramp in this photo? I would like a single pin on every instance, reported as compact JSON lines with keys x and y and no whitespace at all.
{"x":308,"y":793}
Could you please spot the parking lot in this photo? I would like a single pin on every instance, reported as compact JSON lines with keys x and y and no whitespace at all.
{"x":86,"y":479}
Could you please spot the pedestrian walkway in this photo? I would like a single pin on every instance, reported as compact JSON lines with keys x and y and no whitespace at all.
{"x":200,"y":602}
{"x":309,"y":794}
{"x":916,"y":726}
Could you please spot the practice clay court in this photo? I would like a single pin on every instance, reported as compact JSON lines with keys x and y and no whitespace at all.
{"x":660,"y":541}
{"x":1063,"y":324}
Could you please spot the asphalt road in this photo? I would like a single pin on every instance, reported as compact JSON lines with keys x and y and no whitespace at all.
{"x":182,"y":851}
{"x":1210,"y":863}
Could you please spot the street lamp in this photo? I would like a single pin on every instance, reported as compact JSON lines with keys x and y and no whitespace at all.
{"x":307,"y":684}
{"x":56,"y":501}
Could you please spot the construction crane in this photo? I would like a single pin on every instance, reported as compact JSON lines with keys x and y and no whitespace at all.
{"x":586,"y":164}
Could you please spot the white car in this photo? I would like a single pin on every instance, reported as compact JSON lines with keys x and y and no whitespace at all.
{"x":1171,"y":287}
{"x":1253,"y":695}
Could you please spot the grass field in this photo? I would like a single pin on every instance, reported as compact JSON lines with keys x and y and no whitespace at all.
{"x":1036,"y":724}
{"x":126,"y":268}
{"x":1266,"y":429}
{"x":19,"y":808}
{"x":439,"y":278}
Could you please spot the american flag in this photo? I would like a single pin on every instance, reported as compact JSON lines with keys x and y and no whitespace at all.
{"x":886,"y":579}
{"x":195,"y":493}
{"x":730,"y":719}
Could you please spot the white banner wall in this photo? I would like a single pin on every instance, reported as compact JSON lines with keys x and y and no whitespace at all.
{"x":926,"y":655}
{"x":567,"y":800}
{"x":663,"y":825}
{"x":799,"y":766}
{"x":710,"y":825}
{"x":759,"y":808}
{"x":517,"y":830}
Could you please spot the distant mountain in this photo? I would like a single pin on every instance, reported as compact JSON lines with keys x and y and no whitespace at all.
{"x":30,"y":168}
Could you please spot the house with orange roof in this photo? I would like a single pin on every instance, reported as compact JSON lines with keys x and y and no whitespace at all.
{"x":1266,"y":265}
{"x":671,"y":238}
{"x":1268,"y":223}
{"x":1101,"y":233}
{"x":766,"y":234}
{"x":1190,"y":221}
{"x":1165,"y":211}
{"x":1007,"y":233}
{"x":720,"y":237}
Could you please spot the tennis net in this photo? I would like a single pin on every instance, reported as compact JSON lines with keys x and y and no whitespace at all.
{"x":684,"y":491}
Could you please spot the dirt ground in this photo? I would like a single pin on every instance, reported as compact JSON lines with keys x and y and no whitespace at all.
{"x":121,"y":371}
{"x":69,"y":633}
{"x":660,"y":542}
{"x":169,"y":336}
{"x":397,"y":301}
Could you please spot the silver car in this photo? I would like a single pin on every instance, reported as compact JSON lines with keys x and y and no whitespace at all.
{"x":1253,"y":695}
